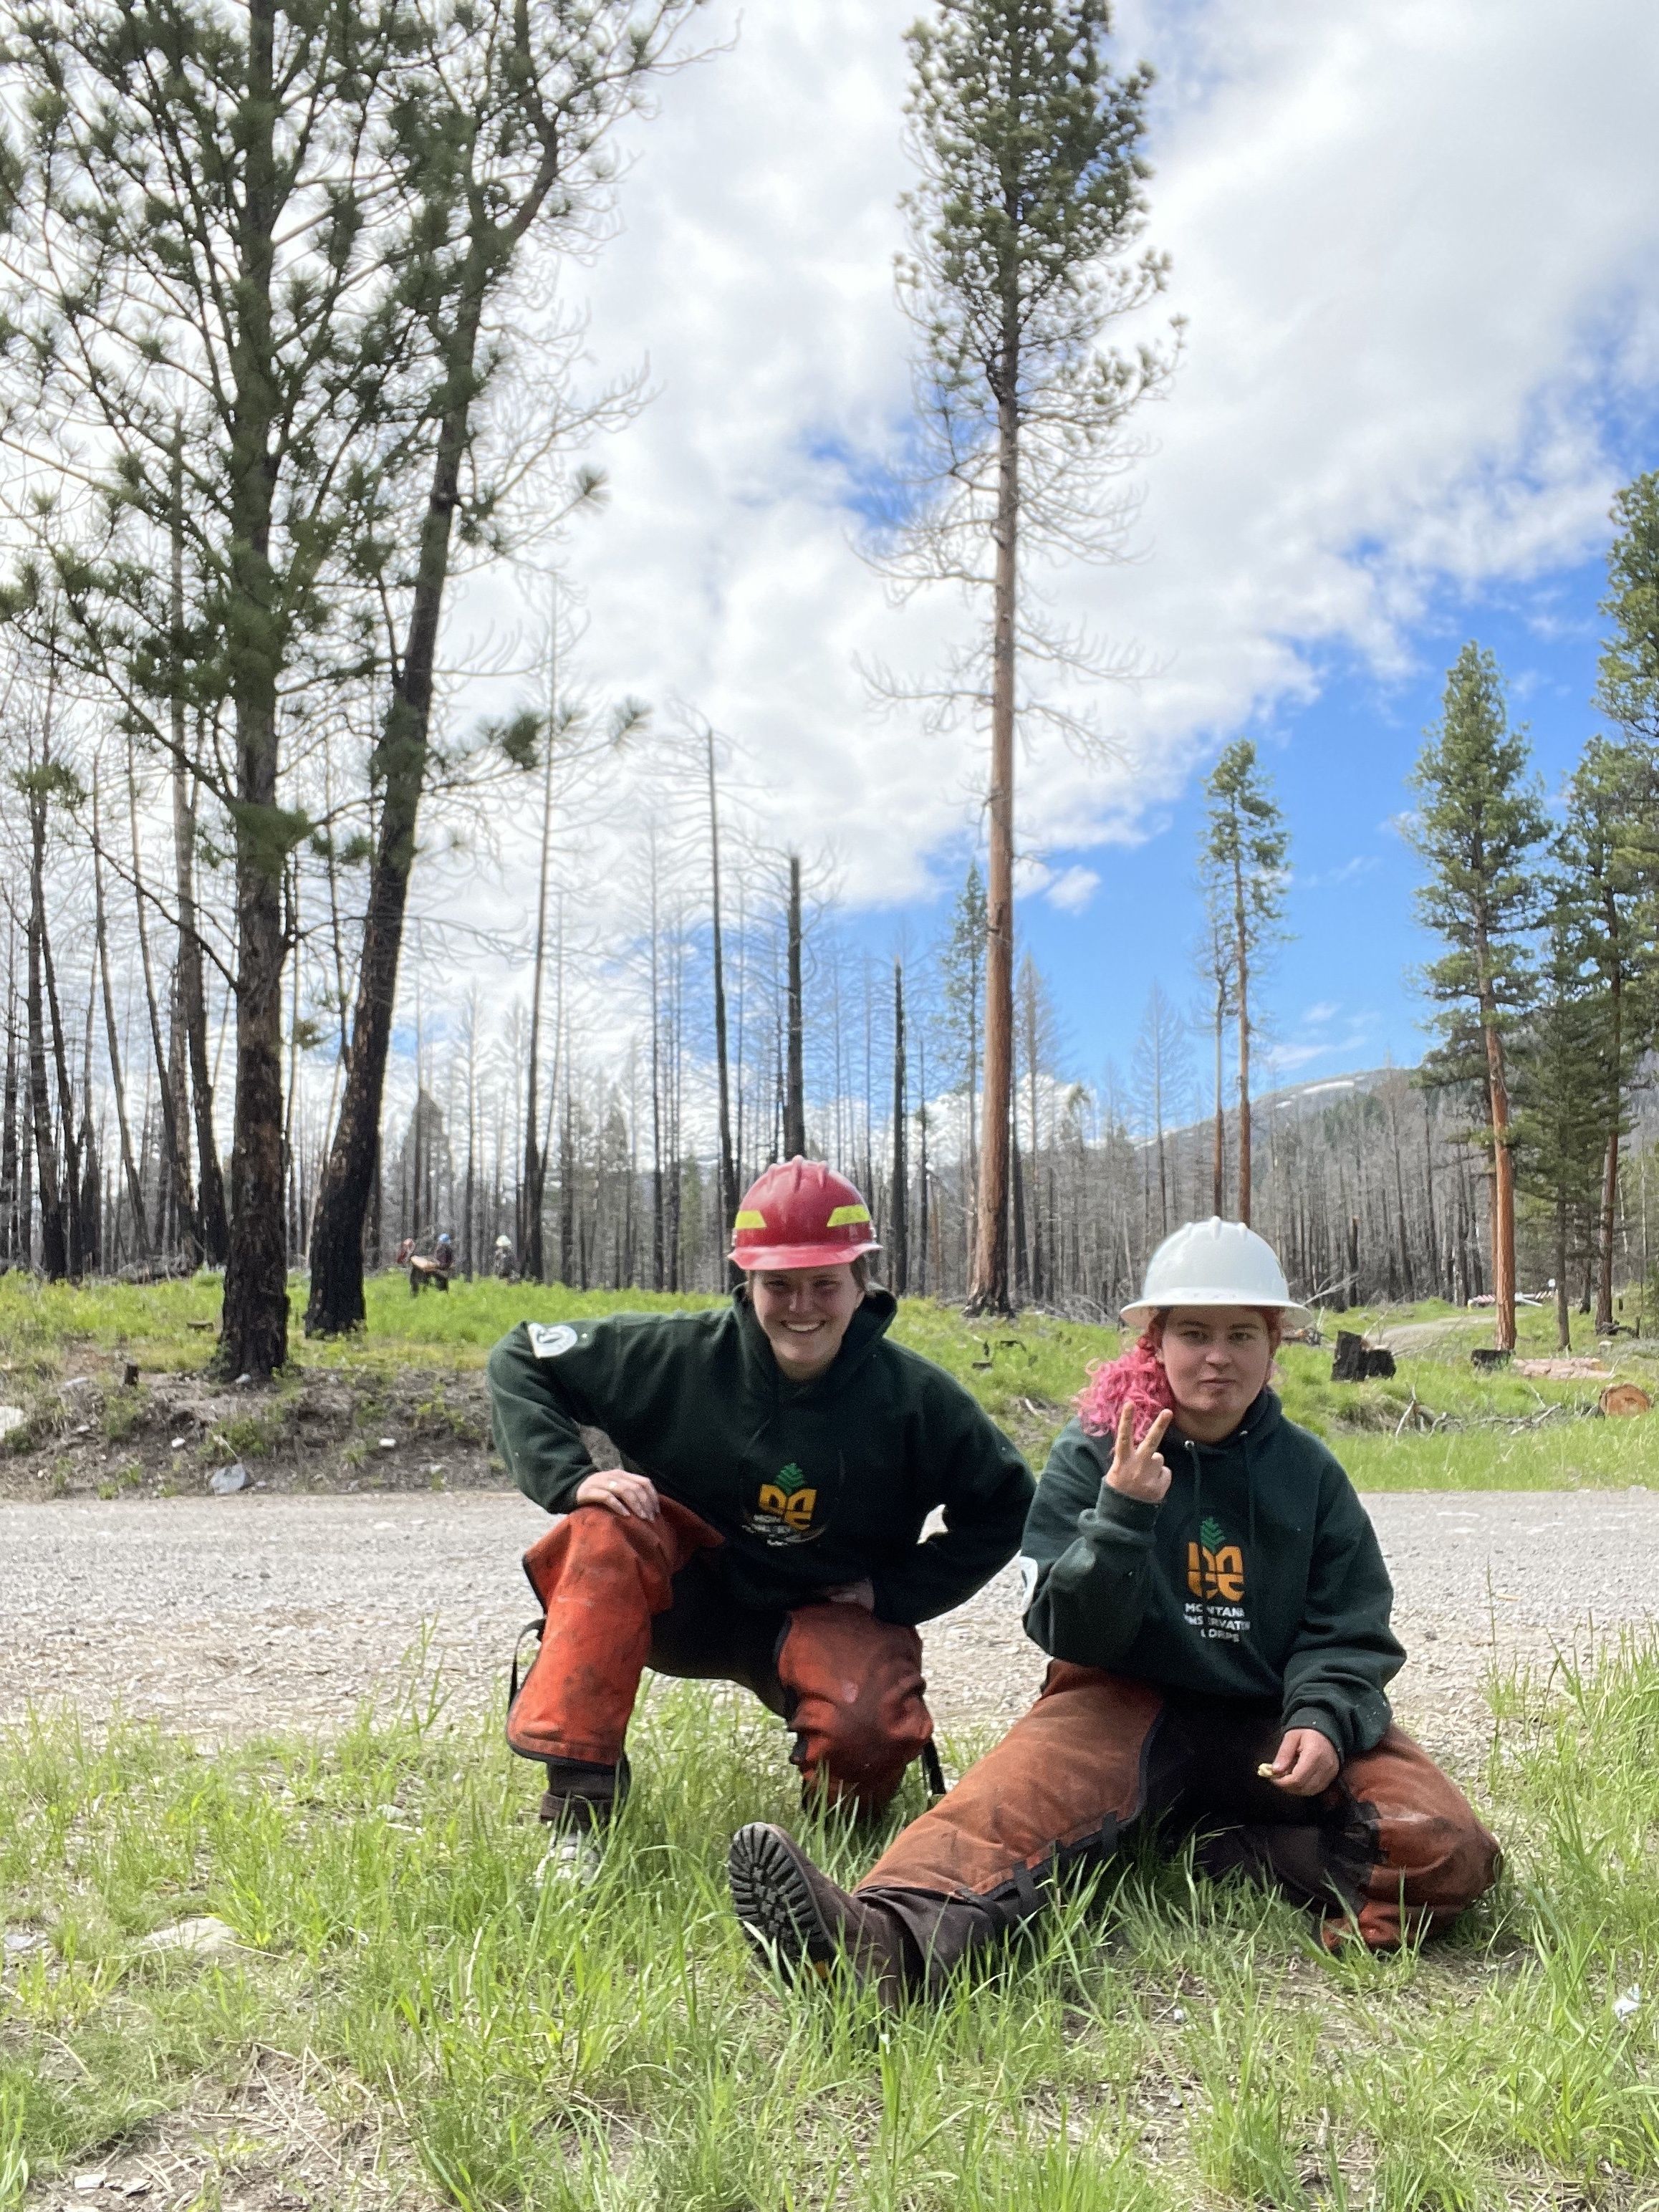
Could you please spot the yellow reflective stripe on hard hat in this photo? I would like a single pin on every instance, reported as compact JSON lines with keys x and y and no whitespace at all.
{"x":844,"y":1216}
{"x":750,"y":1219}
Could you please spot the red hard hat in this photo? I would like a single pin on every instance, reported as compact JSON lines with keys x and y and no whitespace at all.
{"x":801,"y":1214}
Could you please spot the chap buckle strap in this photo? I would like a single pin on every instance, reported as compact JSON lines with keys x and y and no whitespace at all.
{"x":530,"y":1628}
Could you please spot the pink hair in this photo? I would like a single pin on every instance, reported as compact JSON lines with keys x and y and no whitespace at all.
{"x":1136,"y":1378}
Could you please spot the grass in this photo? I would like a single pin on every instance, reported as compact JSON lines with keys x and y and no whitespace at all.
{"x":1437,"y":1425}
{"x":1160,"y":2043}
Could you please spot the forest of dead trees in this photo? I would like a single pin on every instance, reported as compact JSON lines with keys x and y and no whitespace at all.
{"x":1372,"y":1186}
{"x":266,"y":1005}
{"x":578,"y":1086}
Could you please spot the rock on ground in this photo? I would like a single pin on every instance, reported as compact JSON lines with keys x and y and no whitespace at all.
{"x":223,"y":1617}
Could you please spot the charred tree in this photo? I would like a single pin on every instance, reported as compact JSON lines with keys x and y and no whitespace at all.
{"x":794,"y":1096}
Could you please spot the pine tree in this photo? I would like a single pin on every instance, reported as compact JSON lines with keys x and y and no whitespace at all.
{"x":1246,"y":848}
{"x":1608,"y":851}
{"x":201,"y":213}
{"x":1561,"y":1087}
{"x":506,"y":141}
{"x":1627,"y":687}
{"x":1479,"y":828}
{"x":1030,"y":196}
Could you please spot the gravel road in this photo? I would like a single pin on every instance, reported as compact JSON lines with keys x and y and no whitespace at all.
{"x":220,"y":1616}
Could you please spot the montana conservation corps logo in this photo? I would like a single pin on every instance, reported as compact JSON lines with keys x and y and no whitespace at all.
{"x":783,"y":1511}
{"x":1215,"y":1568}
{"x":1215,"y":1576}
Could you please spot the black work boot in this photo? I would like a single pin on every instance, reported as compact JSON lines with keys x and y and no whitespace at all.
{"x":797,"y":1919}
{"x":579,"y":1795}
{"x":578,"y":1805}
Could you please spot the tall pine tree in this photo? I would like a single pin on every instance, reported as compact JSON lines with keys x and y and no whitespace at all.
{"x":1561,"y":1094}
{"x":1479,"y":825}
{"x":1608,"y":851}
{"x":1029,"y":199}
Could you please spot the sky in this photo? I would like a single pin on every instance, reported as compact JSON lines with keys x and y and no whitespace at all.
{"x":1414,"y":247}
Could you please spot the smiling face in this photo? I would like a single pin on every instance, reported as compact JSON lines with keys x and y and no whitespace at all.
{"x":805,"y":1312}
{"x":1216,"y":1359}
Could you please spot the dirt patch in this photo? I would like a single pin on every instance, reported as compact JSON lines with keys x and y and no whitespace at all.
{"x":1429,"y":1335}
{"x":96,"y":1435}
{"x":285,"y":2139}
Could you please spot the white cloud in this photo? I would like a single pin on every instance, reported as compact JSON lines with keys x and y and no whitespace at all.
{"x":1345,"y":872}
{"x":1073,"y":889}
{"x":1325,"y":1032}
{"x":1406,"y":234}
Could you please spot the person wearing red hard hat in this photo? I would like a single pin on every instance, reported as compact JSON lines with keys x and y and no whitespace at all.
{"x":759,"y":1517}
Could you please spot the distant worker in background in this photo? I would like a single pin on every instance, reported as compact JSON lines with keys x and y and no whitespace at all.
{"x":777,"y":1458}
{"x":1214,"y":1600}
{"x":427,"y":1272}
{"x":504,"y":1267}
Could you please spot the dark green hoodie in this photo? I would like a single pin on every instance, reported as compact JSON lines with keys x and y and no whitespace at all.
{"x":811,"y":1484}
{"x":1259,"y":1576}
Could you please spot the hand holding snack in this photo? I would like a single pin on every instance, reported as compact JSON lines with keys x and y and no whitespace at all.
{"x":1306,"y":1763}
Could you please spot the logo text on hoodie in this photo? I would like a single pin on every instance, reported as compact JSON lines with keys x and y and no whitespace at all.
{"x":1215,"y":1576}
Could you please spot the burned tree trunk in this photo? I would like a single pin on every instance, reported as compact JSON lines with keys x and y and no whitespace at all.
{"x":193,"y":1014}
{"x":728,"y":1166}
{"x":176,"y":1192}
{"x":336,"y":1303}
{"x":795,"y":1097}
{"x":14,"y":1243}
{"x":898,"y":1227}
{"x":191,"y":999}
{"x":112,"y":1039}
{"x":54,"y":1248}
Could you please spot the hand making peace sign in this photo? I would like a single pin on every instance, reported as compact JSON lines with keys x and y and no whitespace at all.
{"x":1137,"y":1469}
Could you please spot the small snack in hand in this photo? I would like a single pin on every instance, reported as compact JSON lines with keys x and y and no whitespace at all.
{"x":1268,"y":1773}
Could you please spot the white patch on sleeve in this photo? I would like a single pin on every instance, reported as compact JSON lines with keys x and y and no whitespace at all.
{"x":549,"y":1342}
{"x":1028,"y":1571}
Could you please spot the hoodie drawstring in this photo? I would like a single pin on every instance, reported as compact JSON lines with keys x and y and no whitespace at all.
{"x":1198,"y":1513}
{"x":1196,"y":1453}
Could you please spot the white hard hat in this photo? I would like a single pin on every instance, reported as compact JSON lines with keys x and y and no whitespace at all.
{"x":1212,"y":1263}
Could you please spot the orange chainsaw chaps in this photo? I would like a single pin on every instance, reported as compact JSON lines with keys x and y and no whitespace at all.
{"x":857,"y":1711}
{"x":600,"y":1577}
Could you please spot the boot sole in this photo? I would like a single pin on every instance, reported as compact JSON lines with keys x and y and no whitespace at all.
{"x":775,"y":1905}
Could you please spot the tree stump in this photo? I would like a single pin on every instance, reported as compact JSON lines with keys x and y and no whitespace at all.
{"x":1356,"y":1361}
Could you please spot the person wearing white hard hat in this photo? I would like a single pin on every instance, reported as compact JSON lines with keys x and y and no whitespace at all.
{"x":1216,"y":1608}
